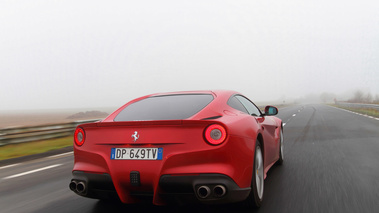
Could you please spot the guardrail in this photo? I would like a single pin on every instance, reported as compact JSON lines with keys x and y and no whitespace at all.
{"x":41,"y":132}
{"x":357,"y":105}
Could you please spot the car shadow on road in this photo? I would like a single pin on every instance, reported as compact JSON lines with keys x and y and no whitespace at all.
{"x":113,"y":207}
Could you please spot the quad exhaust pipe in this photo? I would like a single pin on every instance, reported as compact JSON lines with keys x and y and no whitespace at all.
{"x":77,"y":187}
{"x":205,"y":192}
{"x":219,"y":191}
{"x":73,"y":185}
{"x":81,"y":187}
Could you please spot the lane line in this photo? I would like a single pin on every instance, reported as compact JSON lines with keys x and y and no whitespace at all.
{"x":288,"y":120}
{"x":32,"y":171}
{"x":59,"y":155}
{"x":12,"y":165}
{"x":364,"y":115}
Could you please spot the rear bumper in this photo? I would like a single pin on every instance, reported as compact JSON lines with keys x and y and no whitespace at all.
{"x":171,"y":188}
{"x":177,"y":177}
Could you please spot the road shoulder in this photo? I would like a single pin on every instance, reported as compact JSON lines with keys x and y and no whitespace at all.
{"x":36,"y":156}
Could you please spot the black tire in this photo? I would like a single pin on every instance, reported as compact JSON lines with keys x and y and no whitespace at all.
{"x":281,"y":149}
{"x":255,"y":198}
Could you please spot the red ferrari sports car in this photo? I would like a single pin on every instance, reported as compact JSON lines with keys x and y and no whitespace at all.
{"x":204,"y":146}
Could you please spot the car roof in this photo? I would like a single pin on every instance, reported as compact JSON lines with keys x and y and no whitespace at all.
{"x":216,"y":93}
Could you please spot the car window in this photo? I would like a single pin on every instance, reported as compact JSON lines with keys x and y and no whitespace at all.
{"x":251,"y":108}
{"x":168,"y":107}
{"x":236,"y":104}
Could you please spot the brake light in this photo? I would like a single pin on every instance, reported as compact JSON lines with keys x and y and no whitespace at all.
{"x":79,"y":136}
{"x":215,"y":134}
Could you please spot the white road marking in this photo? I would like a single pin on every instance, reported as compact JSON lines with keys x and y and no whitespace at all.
{"x":32,"y":171}
{"x":12,"y":165}
{"x":59,"y":155}
{"x":284,"y":124}
{"x":355,"y":113}
{"x":293,"y":115}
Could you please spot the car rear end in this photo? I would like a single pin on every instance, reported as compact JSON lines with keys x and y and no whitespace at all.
{"x":163,"y":160}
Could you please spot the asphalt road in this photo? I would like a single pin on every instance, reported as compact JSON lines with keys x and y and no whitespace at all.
{"x":331,"y":165}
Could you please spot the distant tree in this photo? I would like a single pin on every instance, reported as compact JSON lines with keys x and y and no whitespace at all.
{"x":368,"y":98}
{"x":376,"y":101}
{"x":358,"y":97}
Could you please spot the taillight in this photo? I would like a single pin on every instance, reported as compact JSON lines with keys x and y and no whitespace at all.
{"x":79,"y":136}
{"x":215,"y":134}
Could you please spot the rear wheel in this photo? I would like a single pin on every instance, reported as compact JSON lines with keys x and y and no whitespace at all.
{"x":281,"y":149}
{"x":254,"y":200}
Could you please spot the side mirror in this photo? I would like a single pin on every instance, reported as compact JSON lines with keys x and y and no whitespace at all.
{"x":271,"y":110}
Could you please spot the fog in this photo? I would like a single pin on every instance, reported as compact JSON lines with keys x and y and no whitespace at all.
{"x":83,"y":54}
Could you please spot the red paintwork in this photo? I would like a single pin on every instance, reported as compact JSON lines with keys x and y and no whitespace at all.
{"x":185,"y":150}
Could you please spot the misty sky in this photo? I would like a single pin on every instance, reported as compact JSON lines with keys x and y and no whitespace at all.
{"x":82,"y":54}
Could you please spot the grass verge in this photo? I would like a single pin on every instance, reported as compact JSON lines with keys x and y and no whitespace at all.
{"x":370,"y":112}
{"x":37,"y":147}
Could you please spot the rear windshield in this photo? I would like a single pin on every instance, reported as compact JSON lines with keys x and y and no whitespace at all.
{"x":168,"y":107}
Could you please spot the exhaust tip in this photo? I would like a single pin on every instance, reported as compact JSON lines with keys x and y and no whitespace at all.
{"x":81,"y":187}
{"x":73,"y":185}
{"x":219,"y":191}
{"x":203,"y":192}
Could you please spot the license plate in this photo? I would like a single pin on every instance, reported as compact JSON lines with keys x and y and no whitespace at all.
{"x":136,"y":153}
